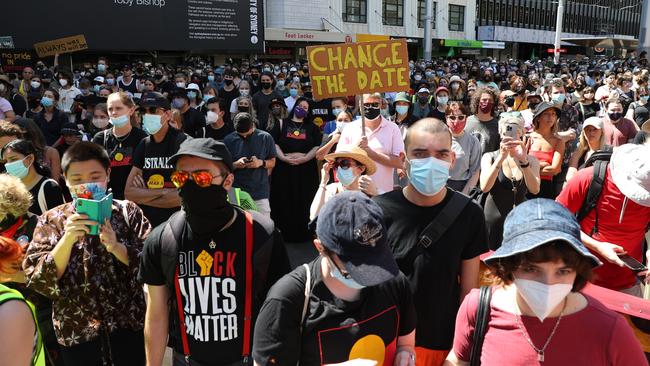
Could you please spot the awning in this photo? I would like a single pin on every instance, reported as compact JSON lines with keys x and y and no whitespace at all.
{"x":604,"y":42}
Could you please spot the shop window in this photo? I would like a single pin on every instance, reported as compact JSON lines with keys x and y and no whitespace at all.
{"x":456,"y":18}
{"x":393,"y":12}
{"x":355,"y":11}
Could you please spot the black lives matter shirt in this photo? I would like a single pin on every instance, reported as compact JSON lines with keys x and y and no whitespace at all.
{"x":120,"y":151}
{"x":212,"y":283}
{"x":334,"y":330}
{"x":434,"y":274}
{"x":153,"y":159}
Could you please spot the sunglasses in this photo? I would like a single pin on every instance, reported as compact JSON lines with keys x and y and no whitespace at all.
{"x":344,"y":163}
{"x":452,"y":117}
{"x":344,"y":273}
{"x":202,"y":178}
{"x":371,"y":105}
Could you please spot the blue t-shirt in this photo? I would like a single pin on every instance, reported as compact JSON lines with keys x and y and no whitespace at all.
{"x":259,"y":144}
{"x":329,"y":127}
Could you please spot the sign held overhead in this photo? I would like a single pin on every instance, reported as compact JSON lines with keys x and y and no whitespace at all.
{"x":356,"y":68}
{"x":61,"y":45}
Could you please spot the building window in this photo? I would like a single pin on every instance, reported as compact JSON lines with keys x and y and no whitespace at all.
{"x":393,"y":12}
{"x":422,"y":12}
{"x":456,"y":18}
{"x":355,"y":11}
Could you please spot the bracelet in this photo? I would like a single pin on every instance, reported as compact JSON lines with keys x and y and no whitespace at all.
{"x":524,"y":165}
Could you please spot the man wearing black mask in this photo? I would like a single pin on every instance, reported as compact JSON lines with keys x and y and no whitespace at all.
{"x":253,"y":152}
{"x":212,"y":260}
{"x":255,"y":79}
{"x":262,"y":99}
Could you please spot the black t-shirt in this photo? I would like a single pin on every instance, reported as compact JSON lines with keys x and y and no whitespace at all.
{"x":228,"y":96}
{"x":51,"y":129}
{"x":587,"y":110}
{"x":212,"y":277}
{"x":51,"y":193}
{"x":153,"y":159}
{"x":193,"y":122}
{"x":435,"y":113}
{"x":434,"y":274}
{"x":218,"y":134}
{"x":641,"y":113}
{"x":261,"y":103}
{"x":120,"y":150}
{"x":321,"y":111}
{"x":334,"y":330}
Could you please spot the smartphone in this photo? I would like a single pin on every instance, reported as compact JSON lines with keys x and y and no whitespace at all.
{"x":511,"y":132}
{"x":632,"y":263}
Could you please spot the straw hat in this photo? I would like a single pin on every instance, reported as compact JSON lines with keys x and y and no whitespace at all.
{"x":357,"y":154}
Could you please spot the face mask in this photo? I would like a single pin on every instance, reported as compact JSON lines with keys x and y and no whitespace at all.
{"x":244,"y":92}
{"x":276,"y":111}
{"x":402,"y":109}
{"x":100,"y":123}
{"x":110,"y":82}
{"x":47,"y":102}
{"x":348,"y":282}
{"x":615,"y":116}
{"x":266,"y":85}
{"x":17,"y":169}
{"x":423,"y":99}
{"x":180,"y":84}
{"x":151,"y":123}
{"x":308,"y":95}
{"x":207,"y":209}
{"x":340,"y":126}
{"x":266,"y":69}
{"x":254,"y":77}
{"x":207,"y":97}
{"x":63,"y":82}
{"x":442,"y":100}
{"x":96,"y":88}
{"x":457,"y":127}
{"x":293,"y":92}
{"x":101,"y":67}
{"x":540,"y":297}
{"x":299,"y":112}
{"x":178,"y":103}
{"x":119,"y":121}
{"x":371,"y":113}
{"x":644,"y":98}
{"x":345,"y":176}
{"x":428,"y":74}
{"x":210,"y":77}
{"x":486,"y":107}
{"x":296,"y":79}
{"x":336,"y":111}
{"x":429,"y":175}
{"x":92,"y":191}
{"x":244,"y":126}
{"x":191,"y":94}
{"x":241,"y":108}
{"x":417,"y":77}
{"x":487,"y":78}
{"x":35,"y":84}
{"x":558,"y":99}
{"x":228,"y":82}
{"x":280,"y":84}
{"x":455,"y":86}
{"x":211,"y":117}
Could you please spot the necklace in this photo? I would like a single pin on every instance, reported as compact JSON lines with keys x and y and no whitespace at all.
{"x":540,"y":352}
{"x":121,"y":139}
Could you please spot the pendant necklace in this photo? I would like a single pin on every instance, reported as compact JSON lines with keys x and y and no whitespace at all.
{"x":540,"y":351}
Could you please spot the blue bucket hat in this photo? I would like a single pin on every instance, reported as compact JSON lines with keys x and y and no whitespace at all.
{"x":352,"y":226}
{"x":537,"y":222}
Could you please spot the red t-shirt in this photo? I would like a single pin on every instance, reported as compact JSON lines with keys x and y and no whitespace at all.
{"x":594,"y":335}
{"x":628,"y":234}
{"x":617,"y":134}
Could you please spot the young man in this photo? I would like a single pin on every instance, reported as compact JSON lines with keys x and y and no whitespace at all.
{"x":193,"y":119}
{"x":381,"y":139}
{"x":253,"y":152}
{"x":442,"y":268}
{"x":484,"y":124}
{"x":229,"y":91}
{"x":618,"y":130}
{"x":263,"y":98}
{"x":149,"y":183}
{"x":216,"y":127}
{"x":213,"y":262}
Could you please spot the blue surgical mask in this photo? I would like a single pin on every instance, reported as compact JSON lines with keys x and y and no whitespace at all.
{"x":178,"y":103}
{"x":293,"y":92}
{"x":151,"y":123}
{"x":207,"y":97}
{"x":120,"y":121}
{"x":210,"y":77}
{"x":17,"y":168}
{"x":442,"y":100}
{"x":644,"y":98}
{"x":345,"y":176}
{"x":336,"y":111}
{"x":558,"y":98}
{"x":101,"y":67}
{"x":402,"y":109}
{"x":96,"y":88}
{"x":429,"y":175}
{"x":191,"y":95}
{"x":47,"y":102}
{"x":348,"y":282}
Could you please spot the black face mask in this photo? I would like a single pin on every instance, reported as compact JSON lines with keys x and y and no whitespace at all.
{"x":244,"y":126}
{"x":254,"y":76}
{"x":509,"y":101}
{"x":308,"y":95}
{"x":207,"y":209}
{"x":276,"y":111}
{"x":227,"y":82}
{"x":242,"y":108}
{"x":33,"y":103}
{"x":487,"y":78}
{"x":371,"y":113}
{"x":266,"y":85}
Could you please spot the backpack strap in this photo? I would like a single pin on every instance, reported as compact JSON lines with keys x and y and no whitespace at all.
{"x":38,"y":354}
{"x":481,"y":325}
{"x":434,"y":231}
{"x":593,"y":193}
{"x":305,"y":305}
{"x":42,"y":202}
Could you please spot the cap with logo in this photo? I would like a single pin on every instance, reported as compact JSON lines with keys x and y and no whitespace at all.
{"x":205,"y":148}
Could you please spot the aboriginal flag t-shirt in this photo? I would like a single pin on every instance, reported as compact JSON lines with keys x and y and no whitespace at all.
{"x":334,"y":330}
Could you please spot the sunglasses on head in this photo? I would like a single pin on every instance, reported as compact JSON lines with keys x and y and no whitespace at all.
{"x":202,"y":178}
{"x":344,"y":163}
{"x":452,"y":117}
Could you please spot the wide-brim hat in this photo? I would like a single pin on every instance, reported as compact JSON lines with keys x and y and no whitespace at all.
{"x":543,"y":107}
{"x":630,"y":168}
{"x":357,"y":154}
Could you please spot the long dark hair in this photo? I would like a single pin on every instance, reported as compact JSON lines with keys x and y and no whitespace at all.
{"x":25,"y":147}
{"x":309,"y":116}
{"x":33,"y":133}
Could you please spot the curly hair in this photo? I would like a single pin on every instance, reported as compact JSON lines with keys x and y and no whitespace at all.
{"x":476,"y":97}
{"x":10,"y":252}
{"x":10,"y":129}
{"x":15,"y":199}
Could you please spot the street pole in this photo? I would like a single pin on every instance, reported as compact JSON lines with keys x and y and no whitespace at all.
{"x":558,"y":30}
{"x":427,"y":29}
{"x":644,"y":30}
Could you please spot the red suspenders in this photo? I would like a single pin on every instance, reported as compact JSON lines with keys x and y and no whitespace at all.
{"x":248,"y":299}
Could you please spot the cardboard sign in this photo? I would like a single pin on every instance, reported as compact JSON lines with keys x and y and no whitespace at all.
{"x":16,"y":61}
{"x":61,"y":45}
{"x":355,"y":68}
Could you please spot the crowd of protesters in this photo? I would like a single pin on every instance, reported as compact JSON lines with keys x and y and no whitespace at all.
{"x":212,"y":168}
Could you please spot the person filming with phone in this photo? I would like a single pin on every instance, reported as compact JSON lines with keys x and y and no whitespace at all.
{"x":97,"y":302}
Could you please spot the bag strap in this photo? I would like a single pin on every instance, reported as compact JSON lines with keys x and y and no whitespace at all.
{"x":434,"y":231}
{"x":42,"y":202}
{"x":305,"y":305}
{"x":593,"y":192}
{"x":482,"y":315}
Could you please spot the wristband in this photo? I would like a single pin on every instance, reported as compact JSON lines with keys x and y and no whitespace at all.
{"x":524,"y":165}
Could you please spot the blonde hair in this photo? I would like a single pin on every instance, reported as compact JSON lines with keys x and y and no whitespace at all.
{"x":511,"y":120}
{"x":583,"y":144}
{"x":15,"y":199}
{"x":122,"y":97}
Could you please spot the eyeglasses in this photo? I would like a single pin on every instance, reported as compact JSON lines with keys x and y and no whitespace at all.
{"x":202,"y":178}
{"x":344,"y":273}
{"x":371,"y":105}
{"x":452,"y":117}
{"x":344,"y":163}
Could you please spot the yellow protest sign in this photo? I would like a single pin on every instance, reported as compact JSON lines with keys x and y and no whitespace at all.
{"x":355,"y":68}
{"x":61,"y":45}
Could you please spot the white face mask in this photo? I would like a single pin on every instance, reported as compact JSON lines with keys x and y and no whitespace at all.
{"x":211,"y":117}
{"x":63,"y":82}
{"x":540,"y":297}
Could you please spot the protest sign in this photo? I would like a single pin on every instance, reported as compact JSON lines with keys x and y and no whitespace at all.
{"x":356,"y":68}
{"x":61,"y":45}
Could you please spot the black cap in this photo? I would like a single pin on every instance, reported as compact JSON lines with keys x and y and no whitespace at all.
{"x":279,"y":101}
{"x":155,"y":99}
{"x":542,"y":107}
{"x":205,"y":148}
{"x":126,"y":67}
{"x":70,"y":129}
{"x":351,"y":225}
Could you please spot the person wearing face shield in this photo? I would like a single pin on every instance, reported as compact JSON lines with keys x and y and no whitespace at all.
{"x":544,"y":315}
{"x":442,"y":264}
{"x":149,"y":183}
{"x":349,"y":306}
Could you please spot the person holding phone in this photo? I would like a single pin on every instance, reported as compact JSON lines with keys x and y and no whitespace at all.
{"x":97,"y":302}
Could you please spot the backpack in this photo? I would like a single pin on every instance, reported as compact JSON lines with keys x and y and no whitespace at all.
{"x":599,"y":160}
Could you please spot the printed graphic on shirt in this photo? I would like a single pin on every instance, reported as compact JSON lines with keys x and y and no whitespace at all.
{"x":296,"y":133}
{"x":374,"y":338}
{"x":208,"y":285}
{"x":121,"y":156}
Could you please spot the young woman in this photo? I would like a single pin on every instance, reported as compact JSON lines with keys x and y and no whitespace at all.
{"x":547,"y":148}
{"x":639,"y":111}
{"x":537,"y":312}
{"x":22,"y":162}
{"x":294,"y":94}
{"x":465,"y":172}
{"x":403,"y":112}
{"x":51,"y":119}
{"x":243,"y":104}
{"x":244,"y":91}
{"x":99,"y":119}
{"x":586,"y":106}
{"x":49,"y":156}
{"x":278,"y":112}
{"x":330,"y":142}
